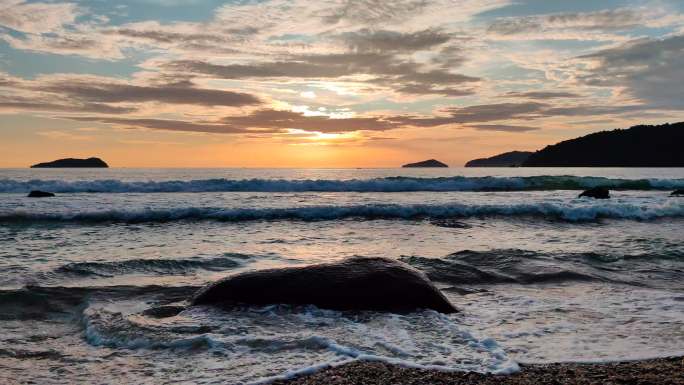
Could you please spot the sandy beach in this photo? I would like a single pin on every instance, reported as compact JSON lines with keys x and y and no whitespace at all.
{"x":664,"y":371}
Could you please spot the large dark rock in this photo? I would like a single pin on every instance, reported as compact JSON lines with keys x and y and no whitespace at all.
{"x":354,"y":284}
{"x":40,"y":194}
{"x":677,"y":193}
{"x":426,"y":163}
{"x":73,"y":163}
{"x":507,"y":159}
{"x":596,"y":193}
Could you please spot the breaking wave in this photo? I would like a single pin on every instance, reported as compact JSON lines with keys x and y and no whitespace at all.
{"x":42,"y":302}
{"x":389,"y":184}
{"x":525,"y":267}
{"x":150,"y":266}
{"x":567,"y":212}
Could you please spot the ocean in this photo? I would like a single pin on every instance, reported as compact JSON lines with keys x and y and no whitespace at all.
{"x":538,"y":274}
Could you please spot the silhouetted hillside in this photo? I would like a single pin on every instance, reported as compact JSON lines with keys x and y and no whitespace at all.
{"x":507,"y":159}
{"x":639,"y":146}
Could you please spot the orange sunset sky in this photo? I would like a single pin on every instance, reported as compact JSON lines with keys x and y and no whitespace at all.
{"x":332,"y":83}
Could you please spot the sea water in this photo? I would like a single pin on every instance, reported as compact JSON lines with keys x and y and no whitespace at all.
{"x":538,"y":274}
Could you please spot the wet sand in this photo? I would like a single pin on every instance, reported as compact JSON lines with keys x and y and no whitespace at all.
{"x":665,"y":371}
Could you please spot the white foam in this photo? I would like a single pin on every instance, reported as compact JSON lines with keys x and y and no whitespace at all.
{"x":574,"y":211}
{"x":280,"y":342}
{"x":388,"y":184}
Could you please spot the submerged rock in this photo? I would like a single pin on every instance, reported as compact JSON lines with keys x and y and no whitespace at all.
{"x":354,"y":284}
{"x":677,"y":193}
{"x":40,"y":194}
{"x":596,"y":193}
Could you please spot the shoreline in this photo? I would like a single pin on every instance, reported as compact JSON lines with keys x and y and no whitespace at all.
{"x":662,"y":371}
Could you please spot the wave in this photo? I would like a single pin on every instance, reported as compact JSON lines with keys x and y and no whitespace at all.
{"x":42,"y":302}
{"x":149,"y":266}
{"x":454,"y":271}
{"x":514,"y":266}
{"x":389,"y":184}
{"x":566,"y":212}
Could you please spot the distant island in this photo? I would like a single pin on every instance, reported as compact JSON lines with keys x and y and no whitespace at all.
{"x":507,"y":159}
{"x":73,"y":163}
{"x":638,"y":146}
{"x":426,"y":163}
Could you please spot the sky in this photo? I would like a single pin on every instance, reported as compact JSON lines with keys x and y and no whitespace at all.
{"x":328,"y":83}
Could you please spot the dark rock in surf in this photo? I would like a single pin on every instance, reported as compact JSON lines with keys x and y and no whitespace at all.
{"x":677,"y":193}
{"x":354,"y":284}
{"x":163,"y":311}
{"x":596,"y":193}
{"x":426,"y":163}
{"x":40,"y":194}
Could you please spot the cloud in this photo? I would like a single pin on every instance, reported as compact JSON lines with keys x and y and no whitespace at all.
{"x":282,"y":122}
{"x":6,"y":80}
{"x":277,"y":119}
{"x":181,"y":37}
{"x":474,"y":114}
{"x":385,"y":69}
{"x":303,"y":17}
{"x":283,"y":27}
{"x":367,"y":40}
{"x":590,"y":110}
{"x":400,"y":59}
{"x":301,"y":66}
{"x":406,"y":12}
{"x":264,"y":121}
{"x":102,"y":95}
{"x":170,"y":125}
{"x":172,"y":3}
{"x":610,"y":19}
{"x":526,"y":111}
{"x":503,"y":127}
{"x":374,"y":11}
{"x":190,"y":34}
{"x":27,"y":17}
{"x":647,"y":69}
{"x":272,"y":121}
{"x":44,"y":103}
{"x":499,"y":111}
{"x":67,"y":43}
{"x":603,"y":25}
{"x":54,"y":28}
{"x":543,"y":95}
{"x":430,"y":89}
{"x":181,"y":93}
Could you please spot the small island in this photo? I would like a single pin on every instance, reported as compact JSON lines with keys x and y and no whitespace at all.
{"x":73,"y":163}
{"x":426,"y":163}
{"x":507,"y":159}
